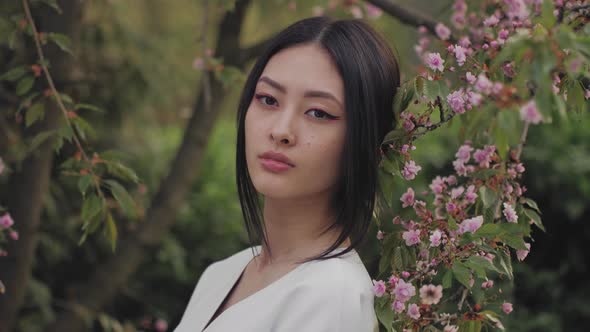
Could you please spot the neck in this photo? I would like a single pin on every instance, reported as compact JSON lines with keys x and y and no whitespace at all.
{"x":295,"y":228}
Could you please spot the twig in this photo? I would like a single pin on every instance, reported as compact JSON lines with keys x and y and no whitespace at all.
{"x":463,"y":296}
{"x":55,"y":93}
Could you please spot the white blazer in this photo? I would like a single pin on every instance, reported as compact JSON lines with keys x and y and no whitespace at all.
{"x":333,"y":295}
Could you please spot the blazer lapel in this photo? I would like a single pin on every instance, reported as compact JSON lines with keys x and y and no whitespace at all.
{"x":226,"y":278}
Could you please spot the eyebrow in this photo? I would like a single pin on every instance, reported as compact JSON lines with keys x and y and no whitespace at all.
{"x":308,"y":93}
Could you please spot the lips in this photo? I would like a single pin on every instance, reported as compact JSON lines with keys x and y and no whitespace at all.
{"x":276,"y":156}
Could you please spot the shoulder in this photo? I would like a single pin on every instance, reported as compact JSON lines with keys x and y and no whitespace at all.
{"x":332,"y":295}
{"x":347,"y":271}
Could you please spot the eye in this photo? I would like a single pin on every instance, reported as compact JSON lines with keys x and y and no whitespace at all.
{"x":319,"y":114}
{"x":265,"y":100}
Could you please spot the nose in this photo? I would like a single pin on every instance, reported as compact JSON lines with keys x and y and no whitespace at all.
{"x":282,"y":130}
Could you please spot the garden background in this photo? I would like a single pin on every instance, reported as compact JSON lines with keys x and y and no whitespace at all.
{"x":137,"y":69}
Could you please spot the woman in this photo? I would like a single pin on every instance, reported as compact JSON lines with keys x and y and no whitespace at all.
{"x":313,"y":113}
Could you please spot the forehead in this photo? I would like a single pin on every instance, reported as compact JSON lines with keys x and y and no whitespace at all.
{"x":305,"y":67}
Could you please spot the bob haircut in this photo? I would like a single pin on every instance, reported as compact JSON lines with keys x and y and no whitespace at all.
{"x":370,"y":74}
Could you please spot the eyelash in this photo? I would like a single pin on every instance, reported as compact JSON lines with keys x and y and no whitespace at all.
{"x":328,"y":116}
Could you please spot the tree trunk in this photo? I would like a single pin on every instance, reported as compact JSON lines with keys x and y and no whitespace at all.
{"x":28,"y":186}
{"x":111,"y":275}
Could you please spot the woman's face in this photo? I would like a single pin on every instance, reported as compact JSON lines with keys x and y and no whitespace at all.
{"x":298,"y":111}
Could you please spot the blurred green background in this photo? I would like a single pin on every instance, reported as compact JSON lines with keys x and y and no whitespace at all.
{"x":135,"y":60}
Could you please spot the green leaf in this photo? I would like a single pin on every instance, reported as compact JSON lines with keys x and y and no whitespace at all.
{"x":488,"y":196}
{"x":34,"y":113}
{"x":89,"y":107}
{"x":83,"y":183}
{"x":62,"y":41}
{"x":384,"y":312}
{"x":547,"y":18}
{"x":514,"y":240}
{"x":535,"y":218}
{"x":488,"y":231}
{"x":532,"y":204}
{"x":121,"y":171}
{"x":481,"y":262}
{"x":123,"y":198}
{"x":39,"y":139}
{"x":111,"y":231}
{"x":447,"y":280}
{"x":462,"y":274}
{"x":24,"y":85}
{"x":90,"y":208}
{"x":504,"y":263}
{"x":14,"y":74}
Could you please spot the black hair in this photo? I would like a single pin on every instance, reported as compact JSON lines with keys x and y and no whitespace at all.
{"x":370,"y":74}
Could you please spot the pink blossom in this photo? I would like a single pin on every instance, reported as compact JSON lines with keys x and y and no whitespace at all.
{"x":491,"y":21}
{"x":470,"y":194}
{"x":393,"y":280}
{"x":487,"y":284}
{"x":521,"y":254}
{"x":517,"y":9}
{"x":405,"y":274}
{"x":411,"y":237}
{"x":451,"y":180}
{"x":413,"y":311}
{"x":458,"y":20}
{"x":530,"y":114}
{"x":509,"y":213}
{"x":465,"y":42}
{"x":474,"y":98}
{"x":356,"y":11}
{"x":161,"y":325}
{"x":456,"y":192}
{"x":483,"y":84}
{"x":373,"y":11}
{"x":586,"y":94}
{"x":471,"y":225}
{"x":198,"y":63}
{"x":408,"y":125}
{"x":464,"y":153}
{"x":318,"y":10}
{"x":379,"y":288}
{"x":422,"y":29}
{"x":379,"y":235}
{"x":451,"y":207}
{"x":438,"y":185}
{"x":431,"y":294}
{"x":410,"y":170}
{"x":507,"y":307}
{"x":442,"y":31}
{"x":460,"y":167}
{"x":13,"y":235}
{"x":398,"y":306}
{"x":435,"y":62}
{"x":460,"y":55}
{"x":403,"y":291}
{"x":408,"y":198}
{"x":503,"y":35}
{"x":470,"y":77}
{"x":484,"y":156}
{"x":6,"y":221}
{"x":497,"y":87}
{"x":435,"y":238}
{"x":456,"y":101}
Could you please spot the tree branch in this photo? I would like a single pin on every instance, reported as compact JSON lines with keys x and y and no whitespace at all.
{"x":408,"y":16}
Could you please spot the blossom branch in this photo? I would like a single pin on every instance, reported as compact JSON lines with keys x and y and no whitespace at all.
{"x":56,"y":94}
